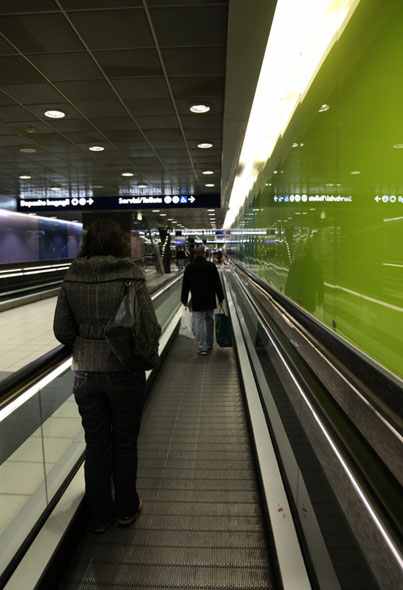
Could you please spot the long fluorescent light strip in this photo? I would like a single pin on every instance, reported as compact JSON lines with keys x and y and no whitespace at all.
{"x":336,"y":451}
{"x":288,"y":69}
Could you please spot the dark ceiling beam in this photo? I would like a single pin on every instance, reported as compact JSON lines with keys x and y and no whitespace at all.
{"x":170,"y":91}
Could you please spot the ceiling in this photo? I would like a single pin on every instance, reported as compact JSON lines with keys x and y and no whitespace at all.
{"x":125,"y":72}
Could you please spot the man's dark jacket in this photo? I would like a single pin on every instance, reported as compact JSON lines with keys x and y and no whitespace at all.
{"x":202,"y":280}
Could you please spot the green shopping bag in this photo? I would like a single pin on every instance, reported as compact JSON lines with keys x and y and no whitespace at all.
{"x":223,"y":330}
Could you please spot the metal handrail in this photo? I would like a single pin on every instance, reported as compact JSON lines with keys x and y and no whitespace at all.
{"x":367,"y":479}
{"x":341,"y":355}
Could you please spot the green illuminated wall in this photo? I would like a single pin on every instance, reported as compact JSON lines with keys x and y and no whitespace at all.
{"x":342,"y":261}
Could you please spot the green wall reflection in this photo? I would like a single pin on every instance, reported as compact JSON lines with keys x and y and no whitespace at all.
{"x":331,"y":195}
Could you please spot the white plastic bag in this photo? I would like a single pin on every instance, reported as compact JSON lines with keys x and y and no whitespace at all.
{"x":186,"y":324}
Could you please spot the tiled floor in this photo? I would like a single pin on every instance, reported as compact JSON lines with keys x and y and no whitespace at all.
{"x":26,"y":333}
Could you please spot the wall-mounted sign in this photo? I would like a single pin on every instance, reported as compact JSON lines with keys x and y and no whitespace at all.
{"x":118,"y":203}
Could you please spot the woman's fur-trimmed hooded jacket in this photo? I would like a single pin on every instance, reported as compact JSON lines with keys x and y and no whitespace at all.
{"x":89,"y":298}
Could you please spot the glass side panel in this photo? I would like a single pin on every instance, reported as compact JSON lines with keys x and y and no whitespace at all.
{"x":40,"y":442}
{"x":331,"y":195}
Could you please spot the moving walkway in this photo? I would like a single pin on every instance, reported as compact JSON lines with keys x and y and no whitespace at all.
{"x":270,"y":465}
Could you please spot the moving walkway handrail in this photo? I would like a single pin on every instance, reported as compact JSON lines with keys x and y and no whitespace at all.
{"x":382,"y":389}
{"x":15,"y":384}
{"x":381,"y":491}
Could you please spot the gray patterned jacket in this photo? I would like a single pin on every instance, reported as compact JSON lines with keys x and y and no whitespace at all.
{"x":89,"y":297}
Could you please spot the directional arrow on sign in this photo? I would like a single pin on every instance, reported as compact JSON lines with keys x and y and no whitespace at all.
{"x":90,"y":201}
{"x":192,"y":199}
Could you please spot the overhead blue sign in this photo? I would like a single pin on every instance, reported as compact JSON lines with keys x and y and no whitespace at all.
{"x":118,"y":203}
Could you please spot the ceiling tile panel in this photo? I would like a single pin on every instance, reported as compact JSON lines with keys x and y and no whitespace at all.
{"x":209,"y":134}
{"x":39,"y":110}
{"x":25,"y":6}
{"x":151,"y":106}
{"x":195,"y":61}
{"x":100,"y":4}
{"x":126,"y":136}
{"x":101,"y":108}
{"x":208,"y":121}
{"x":6,"y":48}
{"x":116,"y":123}
{"x":186,"y":3}
{"x":68,"y":66}
{"x":214,"y":102}
{"x":42,"y":33}
{"x":190,"y":25}
{"x":198,"y":88}
{"x":30,"y":128}
{"x":132,"y":90}
{"x":14,"y":114}
{"x":116,"y":29}
{"x":86,"y":90}
{"x":32,"y":93}
{"x":15,"y":69}
{"x":9,"y":140}
{"x":157,"y":122}
{"x":124,"y":64}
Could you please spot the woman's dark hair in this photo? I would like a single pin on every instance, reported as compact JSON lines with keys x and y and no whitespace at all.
{"x":105,"y":237}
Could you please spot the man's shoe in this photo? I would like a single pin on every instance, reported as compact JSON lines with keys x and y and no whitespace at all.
{"x":129,"y":520}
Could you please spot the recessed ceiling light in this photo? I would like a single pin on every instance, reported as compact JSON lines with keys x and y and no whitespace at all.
{"x":204,"y":146}
{"x":55,"y":188}
{"x":127,"y":174}
{"x":199,"y":109}
{"x":28,"y":150}
{"x":142,"y":185}
{"x":208,"y":172}
{"x":96,"y":148}
{"x":98,"y":186}
{"x":155,"y":211}
{"x":398,"y":146}
{"x":209,"y":185}
{"x":54,"y":114}
{"x":323,"y":108}
{"x":355,"y":172}
{"x":25,"y":177}
{"x":295,"y":144}
{"x":163,"y":214}
{"x":211,"y":210}
{"x":275,"y":171}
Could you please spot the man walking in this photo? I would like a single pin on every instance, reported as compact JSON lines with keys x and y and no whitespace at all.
{"x":201,"y":278}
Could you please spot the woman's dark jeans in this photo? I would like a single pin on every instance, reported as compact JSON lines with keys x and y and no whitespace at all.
{"x":110,"y":405}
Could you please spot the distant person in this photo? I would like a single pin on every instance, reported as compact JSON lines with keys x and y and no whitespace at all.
{"x":180,"y":258}
{"x":202,"y":280}
{"x":110,"y":396}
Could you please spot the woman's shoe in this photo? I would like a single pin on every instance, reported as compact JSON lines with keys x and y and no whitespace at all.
{"x":129,"y":520}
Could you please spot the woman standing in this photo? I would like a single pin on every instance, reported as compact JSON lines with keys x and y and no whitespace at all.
{"x":110,"y":396}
